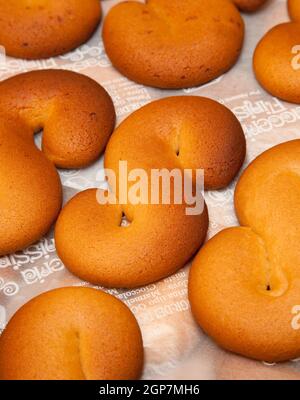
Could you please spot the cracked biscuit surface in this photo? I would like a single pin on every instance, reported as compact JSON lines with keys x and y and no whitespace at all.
{"x":72,"y":334}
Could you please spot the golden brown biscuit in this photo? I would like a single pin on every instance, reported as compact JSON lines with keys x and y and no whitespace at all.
{"x":46,"y":28}
{"x":72,"y":334}
{"x":244,"y":284}
{"x":249,"y":5}
{"x":177,"y":132}
{"x":277,"y":63}
{"x":173,"y":44}
{"x":77,"y":116}
{"x":294,"y":9}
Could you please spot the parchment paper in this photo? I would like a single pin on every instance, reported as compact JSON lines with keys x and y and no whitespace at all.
{"x":175,"y":347}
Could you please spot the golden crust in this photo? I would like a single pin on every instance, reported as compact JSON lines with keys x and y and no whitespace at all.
{"x":249,"y":5}
{"x":161,"y":238}
{"x":294,"y":9}
{"x":276,"y":64}
{"x":46,"y":28}
{"x":173,"y":44}
{"x":77,"y":116}
{"x":72,"y":334}
{"x":244,"y":283}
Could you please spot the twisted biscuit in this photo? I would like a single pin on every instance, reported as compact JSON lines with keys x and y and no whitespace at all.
{"x":276,"y":62}
{"x":294,"y":9}
{"x":244,"y":284}
{"x":173,"y":44}
{"x":77,"y":116}
{"x":35,"y":29}
{"x":72,"y":334}
{"x":177,"y":132}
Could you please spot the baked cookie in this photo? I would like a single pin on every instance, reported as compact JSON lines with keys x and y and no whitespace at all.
{"x":294,"y":9}
{"x":249,"y":5}
{"x":173,"y":44}
{"x":77,"y":116}
{"x":46,"y":28}
{"x":173,"y":133}
{"x":277,"y":62}
{"x":72,"y":334}
{"x":244,"y":284}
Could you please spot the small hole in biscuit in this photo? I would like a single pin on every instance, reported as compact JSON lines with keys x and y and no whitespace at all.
{"x":38,"y":134}
{"x":124,"y":221}
{"x":268,"y":288}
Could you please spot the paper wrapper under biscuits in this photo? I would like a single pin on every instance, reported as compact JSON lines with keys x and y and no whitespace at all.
{"x":175,"y":346}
